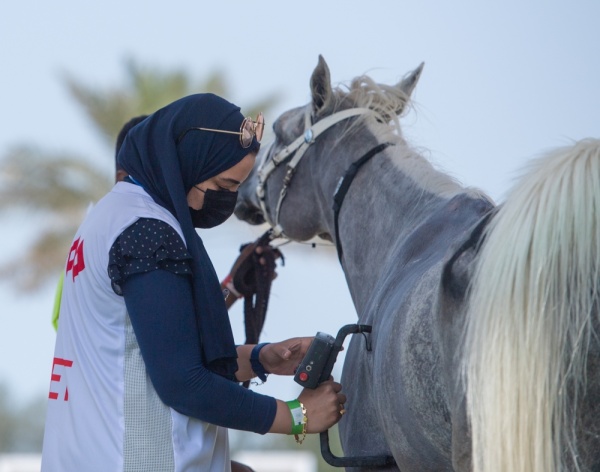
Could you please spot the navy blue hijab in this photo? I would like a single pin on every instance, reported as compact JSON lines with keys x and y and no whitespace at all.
{"x":168,"y":159}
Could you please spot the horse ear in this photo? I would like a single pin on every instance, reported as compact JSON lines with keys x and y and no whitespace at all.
{"x":409,"y":82}
{"x":320,"y":86}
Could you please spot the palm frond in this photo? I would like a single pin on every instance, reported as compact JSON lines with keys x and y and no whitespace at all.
{"x":61,"y":185}
{"x":42,"y":262}
{"x":55,"y":183}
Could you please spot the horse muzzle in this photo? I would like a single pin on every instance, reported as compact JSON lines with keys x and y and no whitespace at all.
{"x":247,"y":212}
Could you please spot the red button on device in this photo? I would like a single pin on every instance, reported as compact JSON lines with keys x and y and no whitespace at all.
{"x":303,"y":376}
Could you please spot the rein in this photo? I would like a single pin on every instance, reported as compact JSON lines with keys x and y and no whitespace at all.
{"x":256,"y":304}
{"x":343,"y":187}
{"x":253,"y":280}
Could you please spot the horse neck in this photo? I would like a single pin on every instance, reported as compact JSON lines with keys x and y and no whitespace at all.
{"x":391,"y":195}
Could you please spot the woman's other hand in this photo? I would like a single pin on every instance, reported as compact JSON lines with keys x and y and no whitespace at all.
{"x":324,"y":406}
{"x":283,"y":358}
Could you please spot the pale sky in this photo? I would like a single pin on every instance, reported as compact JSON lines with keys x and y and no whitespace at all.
{"x":502,"y":82}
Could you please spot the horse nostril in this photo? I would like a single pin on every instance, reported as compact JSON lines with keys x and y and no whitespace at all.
{"x":258,"y":218}
{"x":249,"y":214}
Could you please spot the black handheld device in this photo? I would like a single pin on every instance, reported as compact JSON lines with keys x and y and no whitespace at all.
{"x":315,"y":368}
{"x":322,"y":353}
{"x":317,"y":363}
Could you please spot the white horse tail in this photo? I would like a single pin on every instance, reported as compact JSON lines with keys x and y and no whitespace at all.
{"x":533,"y":302}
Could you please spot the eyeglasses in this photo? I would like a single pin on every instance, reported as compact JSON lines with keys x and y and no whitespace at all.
{"x":249,"y":129}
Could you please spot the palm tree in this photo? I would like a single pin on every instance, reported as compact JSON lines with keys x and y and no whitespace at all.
{"x":60,"y":187}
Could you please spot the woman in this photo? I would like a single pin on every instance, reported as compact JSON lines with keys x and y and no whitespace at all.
{"x":146,"y":374}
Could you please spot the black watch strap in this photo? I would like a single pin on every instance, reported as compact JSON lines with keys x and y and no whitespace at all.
{"x":257,"y":367}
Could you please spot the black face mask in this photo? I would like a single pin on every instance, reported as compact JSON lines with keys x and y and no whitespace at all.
{"x":218,"y":206}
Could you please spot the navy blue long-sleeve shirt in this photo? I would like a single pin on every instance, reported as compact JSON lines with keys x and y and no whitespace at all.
{"x":155,"y":282}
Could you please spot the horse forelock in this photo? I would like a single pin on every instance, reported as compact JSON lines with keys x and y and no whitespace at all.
{"x":385,"y":101}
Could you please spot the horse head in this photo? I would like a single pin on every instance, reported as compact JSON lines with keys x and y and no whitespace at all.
{"x":325,"y":135}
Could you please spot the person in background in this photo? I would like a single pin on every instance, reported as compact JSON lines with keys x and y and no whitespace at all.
{"x":146,"y":374}
{"x":120,"y":174}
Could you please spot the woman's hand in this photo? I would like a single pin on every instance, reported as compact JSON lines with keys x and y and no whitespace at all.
{"x":283,"y":358}
{"x":324,"y":406}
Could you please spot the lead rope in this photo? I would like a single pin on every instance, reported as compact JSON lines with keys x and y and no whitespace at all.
{"x":256,"y":288}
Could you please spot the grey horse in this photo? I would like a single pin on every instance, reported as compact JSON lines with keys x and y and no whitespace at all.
{"x":409,"y":239}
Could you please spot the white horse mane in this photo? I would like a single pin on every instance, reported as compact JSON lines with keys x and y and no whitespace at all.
{"x":534,"y":298}
{"x":385,"y":101}
{"x":388,"y":102}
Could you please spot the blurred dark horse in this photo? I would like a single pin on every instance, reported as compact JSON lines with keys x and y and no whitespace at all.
{"x":485,"y":319}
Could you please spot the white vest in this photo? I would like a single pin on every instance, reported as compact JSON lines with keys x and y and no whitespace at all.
{"x":103,"y":412}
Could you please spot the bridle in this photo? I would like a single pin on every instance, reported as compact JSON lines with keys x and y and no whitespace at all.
{"x":297,"y":147}
{"x":342,"y":189}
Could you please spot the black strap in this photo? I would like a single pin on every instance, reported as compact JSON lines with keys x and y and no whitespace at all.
{"x":344,"y":186}
{"x":257,"y":366}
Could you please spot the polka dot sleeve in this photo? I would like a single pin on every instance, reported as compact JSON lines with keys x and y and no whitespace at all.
{"x":147,"y":245}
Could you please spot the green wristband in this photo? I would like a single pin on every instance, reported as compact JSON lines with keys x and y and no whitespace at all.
{"x":297,"y":416}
